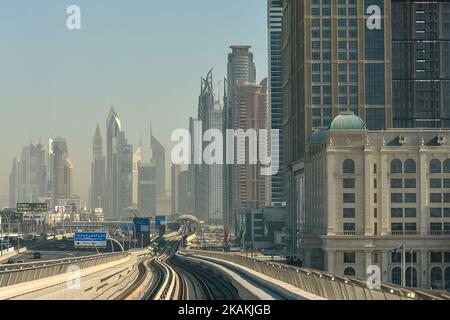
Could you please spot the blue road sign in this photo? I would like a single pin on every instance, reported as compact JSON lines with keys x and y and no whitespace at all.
{"x":90,"y":239}
{"x":142,"y":224}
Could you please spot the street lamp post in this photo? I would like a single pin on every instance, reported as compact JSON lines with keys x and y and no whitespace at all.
{"x":404,"y":266}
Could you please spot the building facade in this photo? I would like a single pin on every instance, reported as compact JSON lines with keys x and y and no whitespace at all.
{"x":421,"y":64}
{"x":369,"y":192}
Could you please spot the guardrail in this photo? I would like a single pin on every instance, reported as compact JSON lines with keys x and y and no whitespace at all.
{"x":325,"y":285}
{"x":25,"y":272}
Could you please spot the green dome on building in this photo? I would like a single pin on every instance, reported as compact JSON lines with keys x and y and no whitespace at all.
{"x":347,"y":121}
{"x":318,"y":136}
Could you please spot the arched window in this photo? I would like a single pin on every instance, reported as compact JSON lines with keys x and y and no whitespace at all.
{"x":411,"y":277}
{"x":396,"y":276}
{"x":447,"y":166}
{"x":435,"y":166}
{"x":447,"y":279}
{"x":349,"y":272}
{"x":396,"y":166}
{"x":348,"y":166}
{"x":436,"y":278}
{"x":410,"y":166}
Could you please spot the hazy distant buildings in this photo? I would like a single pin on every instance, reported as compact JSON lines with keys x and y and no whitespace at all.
{"x":119,"y":163}
{"x":275,"y":93}
{"x":147,"y":189}
{"x":240,"y":67}
{"x":175,"y":188}
{"x":61,"y":170}
{"x":98,"y":171}
{"x":14,"y":184}
{"x":159,"y":160}
{"x":185,"y":193}
{"x":28,"y":177}
{"x":137,"y":159}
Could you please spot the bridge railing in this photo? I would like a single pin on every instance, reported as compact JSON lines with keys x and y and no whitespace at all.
{"x":326,"y":285}
{"x":24,"y":272}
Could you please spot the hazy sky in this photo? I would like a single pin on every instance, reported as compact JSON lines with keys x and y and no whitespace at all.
{"x":144,"y":56}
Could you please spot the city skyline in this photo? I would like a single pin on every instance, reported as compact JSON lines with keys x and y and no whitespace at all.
{"x":249,"y":150}
{"x":59,"y":75}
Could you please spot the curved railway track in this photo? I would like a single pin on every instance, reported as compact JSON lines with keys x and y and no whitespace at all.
{"x":173,"y":280}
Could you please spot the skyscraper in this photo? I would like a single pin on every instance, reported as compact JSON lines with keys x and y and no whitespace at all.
{"x":159,"y":160}
{"x":250,"y":187}
{"x":275,"y":91}
{"x":119,"y":167}
{"x":240,"y":67}
{"x":61,"y":174}
{"x":209,"y":177}
{"x":332,"y":62}
{"x":98,"y":171}
{"x":421,"y":64}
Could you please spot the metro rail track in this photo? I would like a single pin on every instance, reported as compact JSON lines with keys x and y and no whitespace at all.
{"x":173,"y":280}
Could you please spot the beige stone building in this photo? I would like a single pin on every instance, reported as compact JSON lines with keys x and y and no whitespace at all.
{"x":368,"y":192}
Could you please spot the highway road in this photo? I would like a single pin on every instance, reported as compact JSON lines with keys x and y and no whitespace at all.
{"x":51,"y":250}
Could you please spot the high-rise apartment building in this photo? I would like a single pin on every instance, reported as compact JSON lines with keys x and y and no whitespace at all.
{"x":119,"y":167}
{"x":98,"y":171}
{"x":250,"y":187}
{"x":275,"y":92}
{"x":240,"y":67}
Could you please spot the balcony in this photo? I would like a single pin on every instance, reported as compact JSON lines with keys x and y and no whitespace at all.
{"x":404,"y":233}
{"x":439,"y":233}
{"x":349,"y":233}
